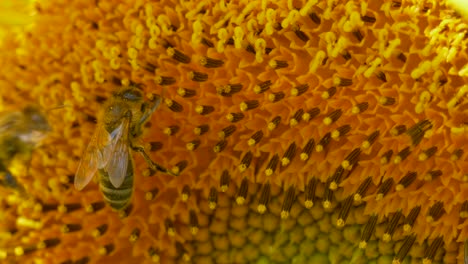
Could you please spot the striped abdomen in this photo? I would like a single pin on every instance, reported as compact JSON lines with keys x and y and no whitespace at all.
{"x":117,"y":198}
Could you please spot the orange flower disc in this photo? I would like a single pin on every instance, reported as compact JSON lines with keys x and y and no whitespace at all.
{"x":302,"y":132}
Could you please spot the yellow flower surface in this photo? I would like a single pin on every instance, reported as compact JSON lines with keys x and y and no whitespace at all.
{"x":302,"y":131}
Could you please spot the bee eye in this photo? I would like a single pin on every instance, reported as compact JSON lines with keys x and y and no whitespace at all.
{"x":132,"y":95}
{"x":37,"y":118}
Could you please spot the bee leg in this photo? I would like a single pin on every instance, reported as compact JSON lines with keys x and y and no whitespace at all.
{"x":6,"y":177}
{"x":154,"y":166}
{"x":8,"y":180}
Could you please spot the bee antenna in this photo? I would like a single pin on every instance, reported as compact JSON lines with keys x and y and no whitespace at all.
{"x":57,"y":107}
{"x":137,"y":85}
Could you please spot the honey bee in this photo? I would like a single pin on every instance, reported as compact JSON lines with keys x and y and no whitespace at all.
{"x":119,"y":125}
{"x":20,"y":133}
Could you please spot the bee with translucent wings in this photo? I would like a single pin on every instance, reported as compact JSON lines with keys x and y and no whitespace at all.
{"x":20,"y":133}
{"x":120,"y":124}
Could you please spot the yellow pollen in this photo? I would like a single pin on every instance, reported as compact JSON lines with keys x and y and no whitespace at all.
{"x":422,"y":157}
{"x":397,"y":160}
{"x":240,"y":200}
{"x":326,"y":204}
{"x":242,"y":167}
{"x":345,"y":164}
{"x":357,"y":198}
{"x":319,"y":148}
{"x":407,"y":228}
{"x":212,"y":205}
{"x":271,"y":126}
{"x":261,"y":208}
{"x":362,"y":244}
{"x":28,"y":223}
{"x":293,"y":122}
{"x":327,"y":121}
{"x":19,"y":251}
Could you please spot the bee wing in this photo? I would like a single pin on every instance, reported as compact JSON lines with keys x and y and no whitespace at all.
{"x":8,"y":121}
{"x":97,"y":155}
{"x":118,"y":163}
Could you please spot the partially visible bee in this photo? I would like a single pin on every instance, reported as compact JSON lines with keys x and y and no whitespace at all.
{"x":20,"y":133}
{"x":119,"y":125}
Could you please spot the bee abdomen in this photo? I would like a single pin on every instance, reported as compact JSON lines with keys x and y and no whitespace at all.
{"x":117,"y":198}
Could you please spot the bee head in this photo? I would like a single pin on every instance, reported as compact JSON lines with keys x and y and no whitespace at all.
{"x":36,"y":119}
{"x":131,"y":93}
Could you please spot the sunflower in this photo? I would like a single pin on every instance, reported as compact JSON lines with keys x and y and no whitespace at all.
{"x":301,"y":131}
